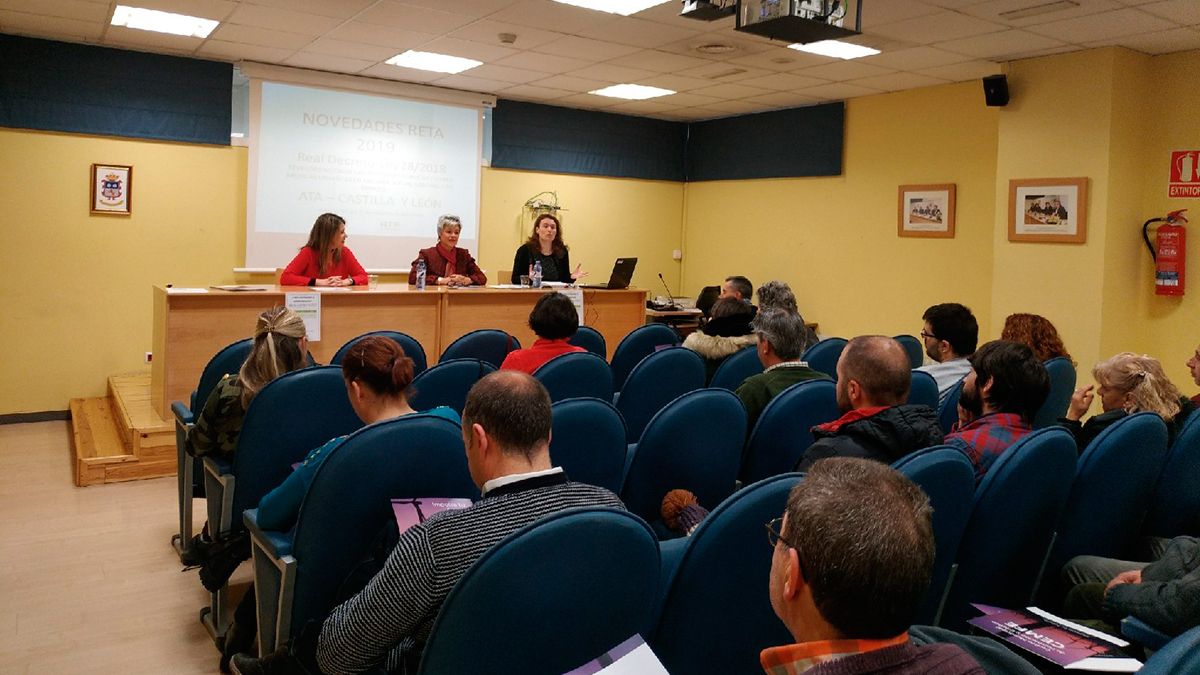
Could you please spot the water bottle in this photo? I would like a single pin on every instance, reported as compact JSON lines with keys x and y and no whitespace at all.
{"x":421,"y":274}
{"x":535,"y":279}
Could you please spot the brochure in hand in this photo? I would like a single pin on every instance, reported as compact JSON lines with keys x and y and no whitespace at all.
{"x":1068,"y":644}
{"x":411,"y":511}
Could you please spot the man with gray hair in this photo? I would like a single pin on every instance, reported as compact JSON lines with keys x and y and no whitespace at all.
{"x":781,"y":339}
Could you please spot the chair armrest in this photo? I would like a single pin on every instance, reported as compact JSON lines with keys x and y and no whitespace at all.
{"x":217,"y":467}
{"x":1143,"y":633}
{"x":182,"y":414}
{"x":275,"y":544}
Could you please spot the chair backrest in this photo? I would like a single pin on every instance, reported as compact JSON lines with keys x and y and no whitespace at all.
{"x":448,"y":383}
{"x":913,"y":348}
{"x":637,"y":345}
{"x":948,"y":478}
{"x":783,"y":431}
{"x":726,"y":564}
{"x":485,"y":344}
{"x":693,"y":443}
{"x":588,"y":441}
{"x":348,"y":504}
{"x":1024,"y":491}
{"x":412,"y":348}
{"x":590,"y":339}
{"x":736,"y":368}
{"x":557,"y":594}
{"x":824,"y":355}
{"x":292,"y":415}
{"x":575,"y":375}
{"x":1180,"y":655}
{"x":1175,"y":509}
{"x":659,"y":379}
{"x":947,"y":410}
{"x":923,"y":390}
{"x":228,"y":360}
{"x":1062,"y":385}
{"x":1114,"y":482}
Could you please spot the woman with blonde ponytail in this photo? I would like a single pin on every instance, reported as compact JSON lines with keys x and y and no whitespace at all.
{"x":280,"y":346}
{"x":1128,"y":383}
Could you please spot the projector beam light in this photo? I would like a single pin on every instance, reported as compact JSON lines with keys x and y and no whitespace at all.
{"x":632,"y":92}
{"x":622,"y":7}
{"x":438,"y":63}
{"x":162,"y":22}
{"x":835,"y":48}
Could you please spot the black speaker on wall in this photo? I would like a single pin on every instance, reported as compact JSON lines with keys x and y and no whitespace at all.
{"x":995,"y":90}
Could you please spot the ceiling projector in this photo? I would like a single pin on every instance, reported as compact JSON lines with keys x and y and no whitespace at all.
{"x":793,"y":21}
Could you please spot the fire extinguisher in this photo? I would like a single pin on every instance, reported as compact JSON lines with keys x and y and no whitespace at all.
{"x":1171,"y":257}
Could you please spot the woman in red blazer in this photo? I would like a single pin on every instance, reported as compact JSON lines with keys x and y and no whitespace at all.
{"x":446,"y":264}
{"x":325,"y":260}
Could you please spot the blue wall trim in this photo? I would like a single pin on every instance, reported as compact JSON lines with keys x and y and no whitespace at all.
{"x":58,"y":86}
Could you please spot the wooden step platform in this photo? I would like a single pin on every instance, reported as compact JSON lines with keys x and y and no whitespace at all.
{"x":119,"y":437}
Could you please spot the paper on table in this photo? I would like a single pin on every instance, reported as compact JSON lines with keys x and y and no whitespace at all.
{"x":185,"y":291}
{"x":308,"y":306}
{"x":331,"y":289}
{"x":240,"y":287}
{"x":506,"y":286}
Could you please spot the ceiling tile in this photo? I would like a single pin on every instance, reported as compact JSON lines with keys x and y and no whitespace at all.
{"x":144,"y":39}
{"x":838,"y":91}
{"x":914,"y":58}
{"x":475,"y":8}
{"x":1183,"y":12}
{"x":487,"y":32}
{"x":961,"y":72}
{"x":350,"y":50}
{"x":783,"y":81}
{"x":610,"y":73}
{"x":389,"y":13}
{"x":721,"y":71}
{"x":586,"y":48}
{"x":993,"y":9}
{"x":844,"y":70}
{"x":205,"y":9}
{"x":1003,"y":46}
{"x":575,"y":84}
{"x":552,"y":15}
{"x":36,"y":25}
{"x":335,"y":64}
{"x":653,"y":105}
{"x":467,"y":49}
{"x":383,"y":36}
{"x":730,"y":91}
{"x":742,"y":46}
{"x":1165,"y":42}
{"x":668,"y":14}
{"x":390,"y":72}
{"x":260,"y":37}
{"x":342,"y":9}
{"x":285,"y":20}
{"x":466,"y":81}
{"x":784,"y":99}
{"x":236,"y":51}
{"x":532,"y":92}
{"x":936,"y":27}
{"x":879,"y":12}
{"x":546,"y":63}
{"x":676,"y":82}
{"x":782,"y":59}
{"x":637,"y":32}
{"x":736,"y":107}
{"x":690,"y":100}
{"x":589,"y":101}
{"x":697,"y":114}
{"x":661,"y":62}
{"x":1102,"y":26}
{"x":898,"y":81}
{"x":507,"y":75}
{"x":80,"y":10}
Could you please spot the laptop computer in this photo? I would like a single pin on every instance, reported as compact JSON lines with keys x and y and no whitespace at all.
{"x":622,"y":274}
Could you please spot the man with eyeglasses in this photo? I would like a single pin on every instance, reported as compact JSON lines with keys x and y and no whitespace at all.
{"x":950,"y":335}
{"x":853,"y":554}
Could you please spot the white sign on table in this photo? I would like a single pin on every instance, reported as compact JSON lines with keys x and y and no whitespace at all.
{"x":308,"y":306}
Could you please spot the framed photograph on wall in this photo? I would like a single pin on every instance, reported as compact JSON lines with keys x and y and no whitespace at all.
{"x":926,"y":211}
{"x":111,"y":189}
{"x":1048,"y":210}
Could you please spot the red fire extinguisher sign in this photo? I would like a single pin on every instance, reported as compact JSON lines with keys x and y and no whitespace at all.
{"x":1185,"y":175}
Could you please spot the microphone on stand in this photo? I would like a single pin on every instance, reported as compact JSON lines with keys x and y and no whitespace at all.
{"x":670,"y":300}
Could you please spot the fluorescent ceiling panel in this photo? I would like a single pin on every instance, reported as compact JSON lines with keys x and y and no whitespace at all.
{"x":622,"y":7}
{"x":835,"y":48}
{"x":438,"y":63}
{"x":162,"y":22}
{"x":633,"y":92}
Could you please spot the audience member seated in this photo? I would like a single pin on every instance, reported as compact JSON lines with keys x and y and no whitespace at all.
{"x":445,"y":263}
{"x":506,"y":428}
{"x":950,"y":335}
{"x":872,"y":390}
{"x":1002,"y":392}
{"x":1037,"y":332}
{"x":725,"y":334}
{"x":1164,"y":593}
{"x":325,"y":260}
{"x":852,"y":562}
{"x":1193,"y":365}
{"x":546,"y":244}
{"x":1128,"y":383}
{"x":554,"y":320}
{"x":778,"y":295}
{"x":738,"y":288}
{"x":280,"y":346}
{"x":780,"y":345}
{"x":377,"y":375}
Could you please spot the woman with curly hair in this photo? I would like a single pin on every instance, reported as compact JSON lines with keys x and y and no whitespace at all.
{"x":1037,"y":332}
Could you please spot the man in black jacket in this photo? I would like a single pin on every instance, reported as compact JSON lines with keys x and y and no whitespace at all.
{"x":872,"y":387}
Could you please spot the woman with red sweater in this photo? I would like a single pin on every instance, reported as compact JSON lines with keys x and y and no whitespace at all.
{"x":325,"y":260}
{"x":445,"y":263}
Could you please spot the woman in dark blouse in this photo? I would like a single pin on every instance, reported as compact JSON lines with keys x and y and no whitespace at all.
{"x":545,"y":244}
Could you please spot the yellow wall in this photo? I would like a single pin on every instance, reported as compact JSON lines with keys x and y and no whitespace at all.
{"x":834,"y":239}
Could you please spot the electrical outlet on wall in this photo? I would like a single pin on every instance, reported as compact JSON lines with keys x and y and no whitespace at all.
{"x":149,"y":357}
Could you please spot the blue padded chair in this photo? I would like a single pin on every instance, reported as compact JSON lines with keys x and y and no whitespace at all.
{"x":924,"y":390}
{"x":1136,"y":630}
{"x":824,"y":355}
{"x":659,"y":379}
{"x":448,"y":383}
{"x":946,"y":475}
{"x":1114,"y":483}
{"x":485,"y":344}
{"x":291,"y":415}
{"x":189,"y":473}
{"x":693,"y":443}
{"x":557,"y":594}
{"x":637,"y":345}
{"x":734,"y":370}
{"x":1181,"y":655}
{"x":914,"y":349}
{"x":412,"y":348}
{"x":297,"y":578}
{"x":782,"y":432}
{"x":947,"y":410}
{"x":1175,"y":508}
{"x":588,"y":442}
{"x":575,"y":375}
{"x":723,"y":565}
{"x":1024,"y":491}
{"x":1062,"y":385}
{"x":590,"y":339}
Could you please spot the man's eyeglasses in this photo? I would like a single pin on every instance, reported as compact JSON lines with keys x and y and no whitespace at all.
{"x":929,"y":335}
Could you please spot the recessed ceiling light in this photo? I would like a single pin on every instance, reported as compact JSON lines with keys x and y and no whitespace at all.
{"x":622,"y":7}
{"x":633,"y":92}
{"x":162,"y":22}
{"x":715,"y":48}
{"x":836,"y":49}
{"x":438,"y":63}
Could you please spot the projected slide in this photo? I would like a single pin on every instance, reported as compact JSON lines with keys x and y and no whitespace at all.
{"x":389,"y":166}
